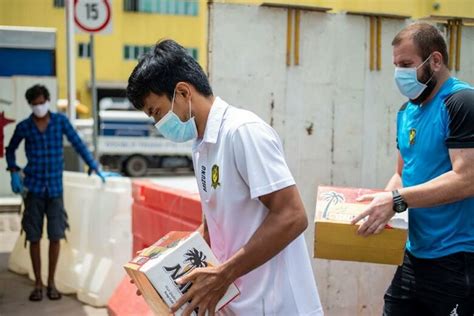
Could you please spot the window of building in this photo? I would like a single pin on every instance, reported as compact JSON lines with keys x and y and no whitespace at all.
{"x":170,"y":7}
{"x":58,"y":3}
{"x":134,"y":52}
{"x":193,"y":52}
{"x":130,"y":5}
{"x":84,"y":50}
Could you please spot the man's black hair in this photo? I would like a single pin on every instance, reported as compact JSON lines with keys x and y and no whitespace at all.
{"x":159,"y":70}
{"x":36,"y":91}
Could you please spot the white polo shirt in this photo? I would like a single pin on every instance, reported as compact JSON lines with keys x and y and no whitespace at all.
{"x":239,"y":159}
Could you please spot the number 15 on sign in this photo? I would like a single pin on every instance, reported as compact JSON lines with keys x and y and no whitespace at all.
{"x":93,"y":16}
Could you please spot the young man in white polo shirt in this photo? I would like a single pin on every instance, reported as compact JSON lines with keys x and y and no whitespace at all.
{"x":254,"y":216}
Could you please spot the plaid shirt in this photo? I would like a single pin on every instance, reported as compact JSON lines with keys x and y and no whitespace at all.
{"x":45,"y":155}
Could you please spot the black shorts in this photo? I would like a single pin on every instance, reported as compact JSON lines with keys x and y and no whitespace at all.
{"x":441,"y":286}
{"x":35,"y":209}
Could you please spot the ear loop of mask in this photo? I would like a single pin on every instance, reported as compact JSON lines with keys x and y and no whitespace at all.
{"x":190,"y":109}
{"x":421,"y":65}
{"x":172,"y":104}
{"x":172,"y":101}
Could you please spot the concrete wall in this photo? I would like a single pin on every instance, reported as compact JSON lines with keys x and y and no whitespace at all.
{"x":336,"y":118}
{"x":15,"y":106}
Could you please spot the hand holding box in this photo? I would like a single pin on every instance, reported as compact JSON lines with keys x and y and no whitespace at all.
{"x":156,"y":269}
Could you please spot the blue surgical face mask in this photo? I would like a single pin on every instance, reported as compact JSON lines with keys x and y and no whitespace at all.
{"x":172,"y":128}
{"x":407,"y":81}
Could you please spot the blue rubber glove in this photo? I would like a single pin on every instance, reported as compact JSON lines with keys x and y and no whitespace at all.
{"x":97,"y":172}
{"x":101,"y":176}
{"x":111,"y":174}
{"x":16,"y":182}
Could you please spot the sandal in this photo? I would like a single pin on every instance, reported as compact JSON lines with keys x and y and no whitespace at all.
{"x":53,"y":293}
{"x":36,"y":295}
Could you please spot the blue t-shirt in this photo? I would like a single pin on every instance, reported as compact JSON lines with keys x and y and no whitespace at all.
{"x":424,"y":136}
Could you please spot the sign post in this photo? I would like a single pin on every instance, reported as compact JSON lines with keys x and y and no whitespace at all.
{"x":71,"y":65}
{"x":93,"y":17}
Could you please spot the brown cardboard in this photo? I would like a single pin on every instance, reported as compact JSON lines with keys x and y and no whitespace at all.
{"x":335,"y":238}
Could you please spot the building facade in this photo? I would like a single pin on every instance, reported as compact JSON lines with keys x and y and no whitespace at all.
{"x":138,"y":24}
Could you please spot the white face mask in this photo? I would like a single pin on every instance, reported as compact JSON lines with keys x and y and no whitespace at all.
{"x":40,"y":110}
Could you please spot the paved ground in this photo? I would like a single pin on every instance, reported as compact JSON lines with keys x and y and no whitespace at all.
{"x":14,"y":288}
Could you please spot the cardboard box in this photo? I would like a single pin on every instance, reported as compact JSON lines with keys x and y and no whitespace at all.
{"x":335,"y":238}
{"x":157,"y":267}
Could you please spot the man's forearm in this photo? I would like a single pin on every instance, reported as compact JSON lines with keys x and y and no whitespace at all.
{"x":275,"y":233}
{"x":447,"y":188}
{"x":202,"y":229}
{"x":394,"y":183}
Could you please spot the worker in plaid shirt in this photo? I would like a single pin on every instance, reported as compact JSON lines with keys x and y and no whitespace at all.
{"x":42,"y":187}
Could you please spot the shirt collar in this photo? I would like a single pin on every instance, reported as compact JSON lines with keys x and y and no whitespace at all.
{"x":214,"y":120}
{"x":31,"y":120}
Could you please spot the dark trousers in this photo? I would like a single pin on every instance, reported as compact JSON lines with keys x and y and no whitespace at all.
{"x":442,"y":286}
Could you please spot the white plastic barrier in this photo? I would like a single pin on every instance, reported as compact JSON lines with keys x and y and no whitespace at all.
{"x":99,"y":241}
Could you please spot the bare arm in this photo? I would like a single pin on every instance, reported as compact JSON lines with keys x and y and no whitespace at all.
{"x":450,"y":187}
{"x":396,"y":181}
{"x":285,"y":221}
{"x":202,"y":229}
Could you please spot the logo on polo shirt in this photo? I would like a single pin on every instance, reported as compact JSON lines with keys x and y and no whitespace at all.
{"x":412,"y":136}
{"x":215,"y":177}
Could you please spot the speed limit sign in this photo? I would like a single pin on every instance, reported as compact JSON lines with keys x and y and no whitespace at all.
{"x":93,"y":16}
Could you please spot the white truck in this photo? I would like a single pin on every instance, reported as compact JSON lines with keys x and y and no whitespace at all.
{"x":129,"y":142}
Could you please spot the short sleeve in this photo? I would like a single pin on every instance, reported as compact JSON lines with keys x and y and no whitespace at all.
{"x":460,"y":107}
{"x":260,"y":160}
{"x":400,"y":112}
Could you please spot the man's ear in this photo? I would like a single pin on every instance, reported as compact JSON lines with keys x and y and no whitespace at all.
{"x":436,"y":61}
{"x":183,"y":89}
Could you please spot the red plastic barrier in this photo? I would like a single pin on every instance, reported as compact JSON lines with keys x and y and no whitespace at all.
{"x":156,"y":210}
{"x":126,"y":302}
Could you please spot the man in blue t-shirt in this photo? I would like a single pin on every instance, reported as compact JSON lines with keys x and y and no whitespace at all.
{"x":434,"y":178}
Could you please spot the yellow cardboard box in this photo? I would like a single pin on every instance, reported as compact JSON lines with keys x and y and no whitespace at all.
{"x":335,"y":238}
{"x":157,"y":267}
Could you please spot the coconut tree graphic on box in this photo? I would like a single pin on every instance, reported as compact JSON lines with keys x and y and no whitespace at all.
{"x":332,"y":198}
{"x":193,"y":259}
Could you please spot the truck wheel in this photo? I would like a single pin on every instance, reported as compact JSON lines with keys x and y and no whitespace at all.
{"x":136,"y":166}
